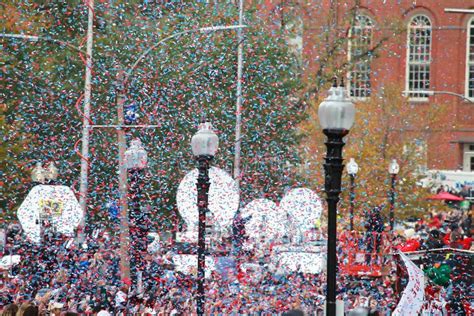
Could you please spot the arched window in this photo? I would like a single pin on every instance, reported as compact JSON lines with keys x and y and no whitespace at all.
{"x":418,"y":56}
{"x":470,"y":60}
{"x":360,"y":42}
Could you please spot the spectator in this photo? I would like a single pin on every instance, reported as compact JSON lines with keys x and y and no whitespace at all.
{"x":56,"y":308}
{"x":30,"y":310}
{"x":434,"y":240}
{"x":10,"y":310}
{"x":374,"y":226}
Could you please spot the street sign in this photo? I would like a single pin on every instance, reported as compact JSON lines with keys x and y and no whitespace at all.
{"x":55,"y":204}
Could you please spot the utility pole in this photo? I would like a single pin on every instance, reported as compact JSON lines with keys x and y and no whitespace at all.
{"x":123,"y":206}
{"x":86,"y":122}
{"x":238,"y":106}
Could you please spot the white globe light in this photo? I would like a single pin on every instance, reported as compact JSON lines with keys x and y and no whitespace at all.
{"x":394,"y":168}
{"x":205,"y":142}
{"x":304,"y":208}
{"x":336,"y":111}
{"x":223,"y":199}
{"x":352,"y":167}
{"x":38,"y":174}
{"x":154,"y":246}
{"x":136,"y":156}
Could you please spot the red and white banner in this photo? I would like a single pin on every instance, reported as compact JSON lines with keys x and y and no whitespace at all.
{"x":412,"y":298}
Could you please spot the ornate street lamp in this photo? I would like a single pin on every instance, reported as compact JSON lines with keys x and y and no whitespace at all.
{"x":136,"y":159}
{"x":204,"y":145}
{"x":393,"y":169}
{"x":352,"y":169}
{"x":51,"y":173}
{"x":336,"y":116}
{"x":38,"y":175}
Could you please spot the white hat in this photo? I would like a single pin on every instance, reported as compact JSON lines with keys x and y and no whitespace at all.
{"x":103,"y":313}
{"x":56,"y":305}
{"x":409,"y":233}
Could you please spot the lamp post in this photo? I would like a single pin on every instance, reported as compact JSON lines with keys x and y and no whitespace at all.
{"x":136,"y":159}
{"x":38,"y":175}
{"x":336,"y":116}
{"x":52,"y":173}
{"x":204,"y":145}
{"x":352,"y":169}
{"x":393,"y":169}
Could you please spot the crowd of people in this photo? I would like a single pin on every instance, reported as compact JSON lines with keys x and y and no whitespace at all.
{"x":444,"y":239}
{"x":59,"y":277}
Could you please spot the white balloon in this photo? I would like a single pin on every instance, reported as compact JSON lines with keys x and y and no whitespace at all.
{"x":223,"y":199}
{"x":57,"y":202}
{"x":263,"y":219}
{"x":303,"y":206}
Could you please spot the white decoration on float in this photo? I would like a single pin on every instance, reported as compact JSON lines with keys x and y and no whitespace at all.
{"x":56,"y":203}
{"x":223,"y":200}
{"x":263,"y":220}
{"x":303,"y":206}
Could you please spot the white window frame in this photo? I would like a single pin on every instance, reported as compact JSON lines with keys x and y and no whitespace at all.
{"x":413,"y":94}
{"x":469,"y":60}
{"x":467,"y":154}
{"x":365,"y":91}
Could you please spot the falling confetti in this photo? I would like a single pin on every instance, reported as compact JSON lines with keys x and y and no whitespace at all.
{"x":266,"y":234}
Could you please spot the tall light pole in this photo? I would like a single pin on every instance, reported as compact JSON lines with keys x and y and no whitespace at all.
{"x":204,"y":145}
{"x":352,"y":169}
{"x":336,"y":116}
{"x":238,"y":105}
{"x":393,"y":169}
{"x":136,"y":159}
{"x":86,"y":122}
{"x":433,"y":92}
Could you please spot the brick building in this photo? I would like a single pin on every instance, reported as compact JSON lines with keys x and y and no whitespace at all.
{"x":431,"y":58}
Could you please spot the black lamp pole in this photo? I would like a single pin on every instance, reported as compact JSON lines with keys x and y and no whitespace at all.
{"x":333,"y":172}
{"x":203,"y":203}
{"x":336,"y":116}
{"x":137,"y":231}
{"x":135,"y":161}
{"x":351,"y":198}
{"x":392,"y":202}
{"x":393,"y":169}
{"x":204,"y":145}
